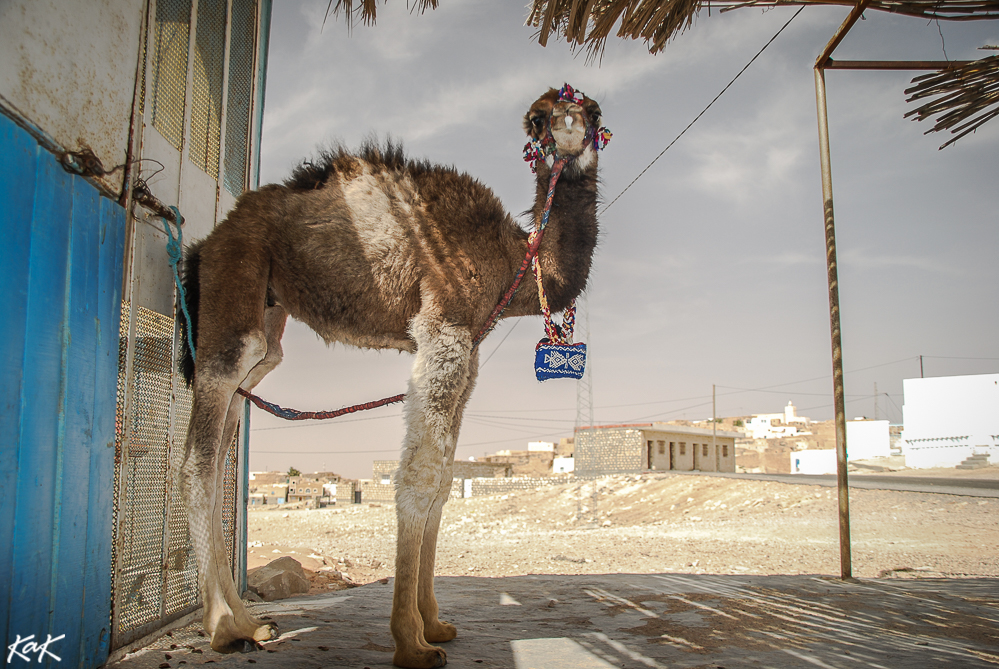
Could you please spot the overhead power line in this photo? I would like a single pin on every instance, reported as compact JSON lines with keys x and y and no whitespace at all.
{"x":696,"y":118}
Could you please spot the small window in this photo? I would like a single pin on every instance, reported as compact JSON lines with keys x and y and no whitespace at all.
{"x":662,"y":448}
{"x":704,"y":450}
{"x":724,"y":450}
{"x":683,"y":448}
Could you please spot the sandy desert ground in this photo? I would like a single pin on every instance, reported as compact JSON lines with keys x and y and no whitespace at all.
{"x":656,"y":523}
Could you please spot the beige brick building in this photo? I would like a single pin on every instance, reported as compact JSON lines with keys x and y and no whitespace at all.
{"x":311,"y":488}
{"x":619,"y":449}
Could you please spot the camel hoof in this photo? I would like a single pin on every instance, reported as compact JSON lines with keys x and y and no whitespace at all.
{"x":421,"y":658}
{"x":234,"y":646}
{"x":441,"y":632}
{"x":266,"y":632}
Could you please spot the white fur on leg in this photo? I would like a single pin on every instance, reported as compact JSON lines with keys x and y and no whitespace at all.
{"x":440,"y":378}
{"x":201,"y":476}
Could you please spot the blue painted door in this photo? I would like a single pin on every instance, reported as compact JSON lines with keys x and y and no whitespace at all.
{"x":60,"y":304}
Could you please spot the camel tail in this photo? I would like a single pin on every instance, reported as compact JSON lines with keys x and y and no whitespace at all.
{"x":189,"y":331}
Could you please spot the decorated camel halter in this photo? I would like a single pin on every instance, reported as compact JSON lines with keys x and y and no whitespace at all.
{"x":556,"y":356}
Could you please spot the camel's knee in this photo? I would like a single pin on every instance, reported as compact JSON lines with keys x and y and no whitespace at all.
{"x":223,"y":367}
{"x":274,"y":321}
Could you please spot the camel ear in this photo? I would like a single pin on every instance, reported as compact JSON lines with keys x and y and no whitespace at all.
{"x":593,"y":113}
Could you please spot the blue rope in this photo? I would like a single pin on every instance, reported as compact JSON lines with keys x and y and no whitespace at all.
{"x":175,"y":249}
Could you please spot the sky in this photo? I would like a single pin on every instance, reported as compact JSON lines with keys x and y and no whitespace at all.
{"x":710,"y":268}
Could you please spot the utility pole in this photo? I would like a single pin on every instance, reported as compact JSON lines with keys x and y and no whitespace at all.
{"x":875,"y":400}
{"x":714,"y":428}
{"x":920,"y":366}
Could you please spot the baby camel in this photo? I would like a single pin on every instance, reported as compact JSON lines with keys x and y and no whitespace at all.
{"x":375,"y":250}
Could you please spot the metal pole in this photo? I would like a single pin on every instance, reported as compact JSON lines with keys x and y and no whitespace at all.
{"x":846,"y":562}
{"x":714,"y":428}
{"x":895,"y":64}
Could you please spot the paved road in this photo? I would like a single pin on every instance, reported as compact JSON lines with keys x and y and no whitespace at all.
{"x":940,"y":485}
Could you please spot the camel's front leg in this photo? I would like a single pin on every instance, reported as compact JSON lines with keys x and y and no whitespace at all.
{"x":440,"y":379}
{"x":434,"y":629}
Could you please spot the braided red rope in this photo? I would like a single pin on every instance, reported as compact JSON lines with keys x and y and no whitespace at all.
{"x":294,"y":414}
{"x":533,"y":243}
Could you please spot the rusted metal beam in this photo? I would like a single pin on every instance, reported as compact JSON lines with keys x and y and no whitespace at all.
{"x":841,"y":32}
{"x":845,"y":553}
{"x":894,"y":64}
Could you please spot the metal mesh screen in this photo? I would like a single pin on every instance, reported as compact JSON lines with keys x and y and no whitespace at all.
{"x":181,"y":566}
{"x":119,"y":434}
{"x":229,"y":500}
{"x":242,"y":32}
{"x":143,"y":481}
{"x":172,"y":35}
{"x":156,"y":577}
{"x":206,"y":103}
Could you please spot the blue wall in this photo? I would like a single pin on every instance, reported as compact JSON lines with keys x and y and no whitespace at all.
{"x":60,"y":304}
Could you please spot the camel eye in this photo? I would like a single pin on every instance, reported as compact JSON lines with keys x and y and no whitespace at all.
{"x":538,"y":122}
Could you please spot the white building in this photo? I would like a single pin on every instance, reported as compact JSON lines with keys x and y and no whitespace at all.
{"x":563,"y":465}
{"x":540,"y":447}
{"x":775,"y":425}
{"x":814,"y":462}
{"x":866,"y":439}
{"x":950,"y":418}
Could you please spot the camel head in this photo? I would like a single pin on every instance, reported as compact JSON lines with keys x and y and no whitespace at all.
{"x":566,"y":124}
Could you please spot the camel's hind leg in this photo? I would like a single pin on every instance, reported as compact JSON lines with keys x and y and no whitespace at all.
{"x":225,"y":361}
{"x":439,"y":382}
{"x":249,"y":626}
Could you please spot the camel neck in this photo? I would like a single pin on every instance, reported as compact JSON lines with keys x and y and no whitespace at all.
{"x":569,"y":238}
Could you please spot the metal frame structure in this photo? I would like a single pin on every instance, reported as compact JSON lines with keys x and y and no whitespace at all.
{"x":822,"y":63}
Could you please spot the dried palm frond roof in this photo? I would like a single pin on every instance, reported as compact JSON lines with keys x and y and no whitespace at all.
{"x":966,"y":97}
{"x":590,"y":22}
{"x":367,"y":10}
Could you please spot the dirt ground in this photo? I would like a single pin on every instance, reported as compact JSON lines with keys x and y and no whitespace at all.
{"x":656,"y":523}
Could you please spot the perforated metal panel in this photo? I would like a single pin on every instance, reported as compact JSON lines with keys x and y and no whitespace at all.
{"x":142,"y":483}
{"x":181,"y":567}
{"x":229,"y":500}
{"x":237,"y":126}
{"x":119,"y":434}
{"x":156,"y":577}
{"x":172,"y":32}
{"x":206,"y":103}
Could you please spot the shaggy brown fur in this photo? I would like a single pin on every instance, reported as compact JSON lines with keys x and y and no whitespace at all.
{"x":374,"y":250}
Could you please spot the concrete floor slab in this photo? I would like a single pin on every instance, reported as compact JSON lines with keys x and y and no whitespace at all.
{"x":636,"y":621}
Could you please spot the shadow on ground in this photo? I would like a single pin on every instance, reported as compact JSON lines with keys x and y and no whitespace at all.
{"x":636,"y":621}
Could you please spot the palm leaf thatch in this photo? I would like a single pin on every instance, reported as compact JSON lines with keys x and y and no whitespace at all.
{"x":366,"y":10}
{"x":965,"y":97}
{"x":590,"y":22}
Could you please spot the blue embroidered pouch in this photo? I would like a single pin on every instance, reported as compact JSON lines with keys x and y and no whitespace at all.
{"x":559,"y":361}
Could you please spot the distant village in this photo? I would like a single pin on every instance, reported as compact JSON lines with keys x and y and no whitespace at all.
{"x":947,"y":422}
